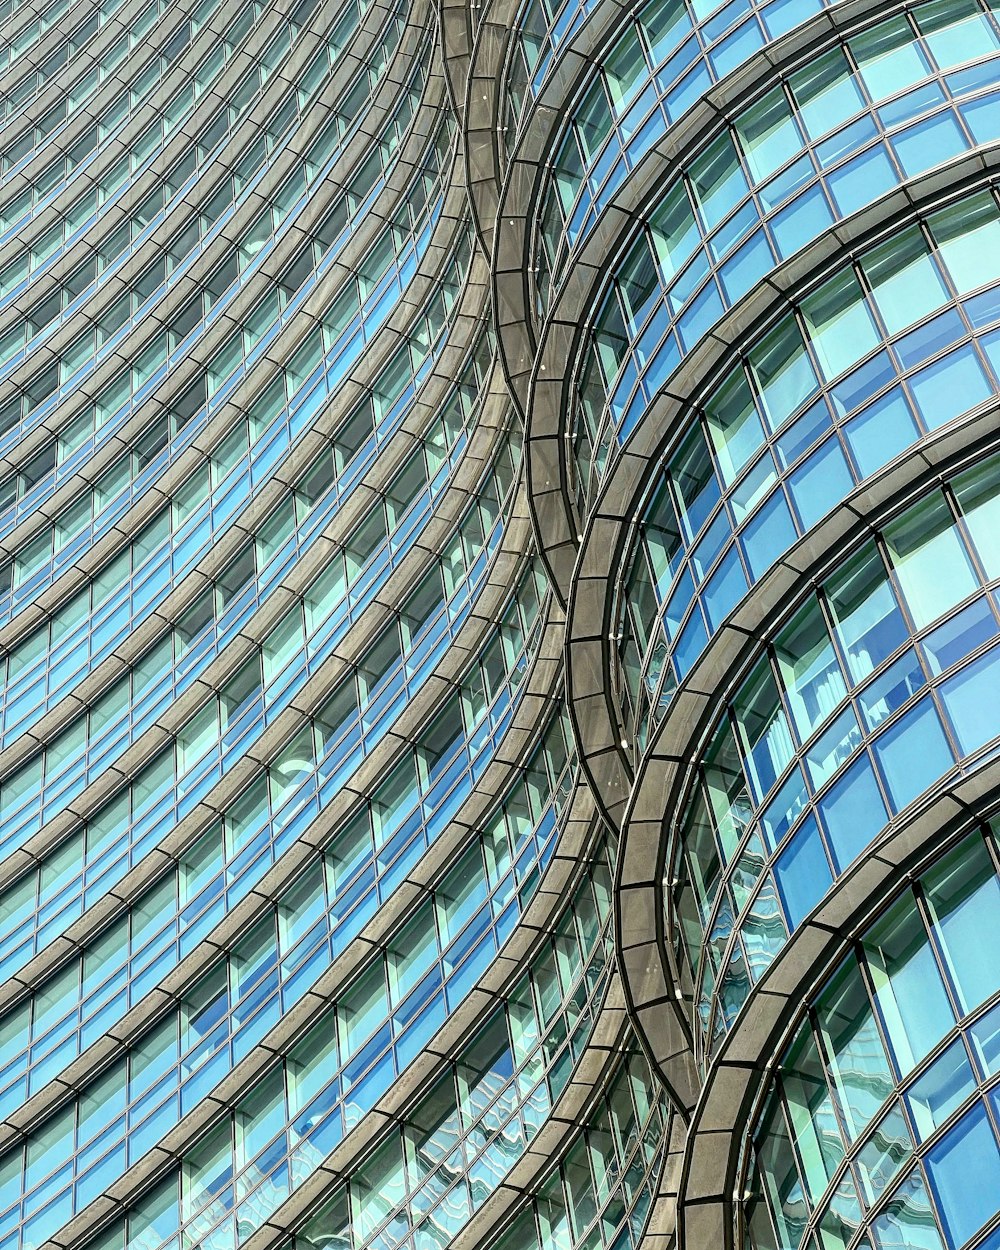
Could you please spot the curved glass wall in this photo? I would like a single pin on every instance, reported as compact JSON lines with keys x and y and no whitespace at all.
{"x":671,"y":53}
{"x":883,"y":1128}
{"x":88,"y":428}
{"x":871,"y":694}
{"x":885,"y":106}
{"x":221,"y":868}
{"x":600,"y":1193}
{"x":355,"y":311}
{"x":883,"y":353}
{"x":171,"y":1067}
{"x":425,"y":1181}
{"x":195,"y":235}
{"x":214,"y":735}
{"x":283,"y":757}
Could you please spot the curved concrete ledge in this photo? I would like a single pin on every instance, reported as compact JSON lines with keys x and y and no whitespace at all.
{"x":484,"y":65}
{"x":653,"y":990}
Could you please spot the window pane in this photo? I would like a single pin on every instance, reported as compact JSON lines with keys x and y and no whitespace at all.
{"x":963,"y":895}
{"x":908,"y":985}
{"x":964,"y":1171}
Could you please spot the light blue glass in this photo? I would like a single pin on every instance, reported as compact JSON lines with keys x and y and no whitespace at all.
{"x":968,"y":630}
{"x":880,"y":432}
{"x":929,"y":143}
{"x":852,"y":812}
{"x":803,"y":220}
{"x":912,"y":752}
{"x":975,"y":720}
{"x":950,"y":386}
{"x":930,"y":339}
{"x":956,"y":33}
{"x":964,"y":1172}
{"x":826,"y":93}
{"x":963,"y":895}
{"x":803,"y":873}
{"x":909,"y":991}
{"x":890,"y":690}
{"x":820,"y":483}
{"x":889,"y":59}
{"x":906,"y":284}
{"x":833,"y":747}
{"x":907,"y":1223}
{"x":946,"y":1084}
{"x":930,"y":560}
{"x":768,"y":535}
{"x":841,"y":328}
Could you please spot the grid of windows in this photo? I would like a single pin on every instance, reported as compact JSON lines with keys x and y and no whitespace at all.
{"x":307,"y":923}
{"x":856,"y":122}
{"x":270,"y":619}
{"x":424,"y":1183}
{"x":706,"y":415}
{"x":882,"y":1129}
{"x":880,"y":355}
{"x":868,"y":697}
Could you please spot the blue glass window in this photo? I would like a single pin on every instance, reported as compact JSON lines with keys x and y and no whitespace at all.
{"x":905,"y":281}
{"x":863,"y":180}
{"x":912,"y":753}
{"x":819,"y":484}
{"x":930,"y":559}
{"x":963,"y":895}
{"x":929,"y":143}
{"x":978,"y":495}
{"x":809,"y":669}
{"x":853,"y":812}
{"x":889,"y":691}
{"x":960,"y":635}
{"x":866,"y":616}
{"x":907,"y":1223}
{"x":826,"y":93}
{"x":832,"y":748}
{"x":964,"y":1170}
{"x":803,"y":873}
{"x":804,"y":219}
{"x":763,"y":730}
{"x":946,"y":1084}
{"x":768,"y":535}
{"x":734,"y":424}
{"x":783,"y":372}
{"x":950,"y":386}
{"x":908,"y":987}
{"x":724,"y":590}
{"x":968,"y":240}
{"x":768,"y":135}
{"x":976,"y":720}
{"x":956,"y":33}
{"x":880,"y":432}
{"x":889,"y":58}
{"x":841,"y":329}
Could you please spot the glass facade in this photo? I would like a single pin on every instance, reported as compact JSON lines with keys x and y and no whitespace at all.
{"x":746,"y":260}
{"x":499,"y":625}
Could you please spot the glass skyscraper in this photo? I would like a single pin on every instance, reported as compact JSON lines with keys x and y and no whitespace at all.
{"x":499,"y":625}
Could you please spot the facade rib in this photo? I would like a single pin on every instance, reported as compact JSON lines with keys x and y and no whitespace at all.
{"x":499,"y":617}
